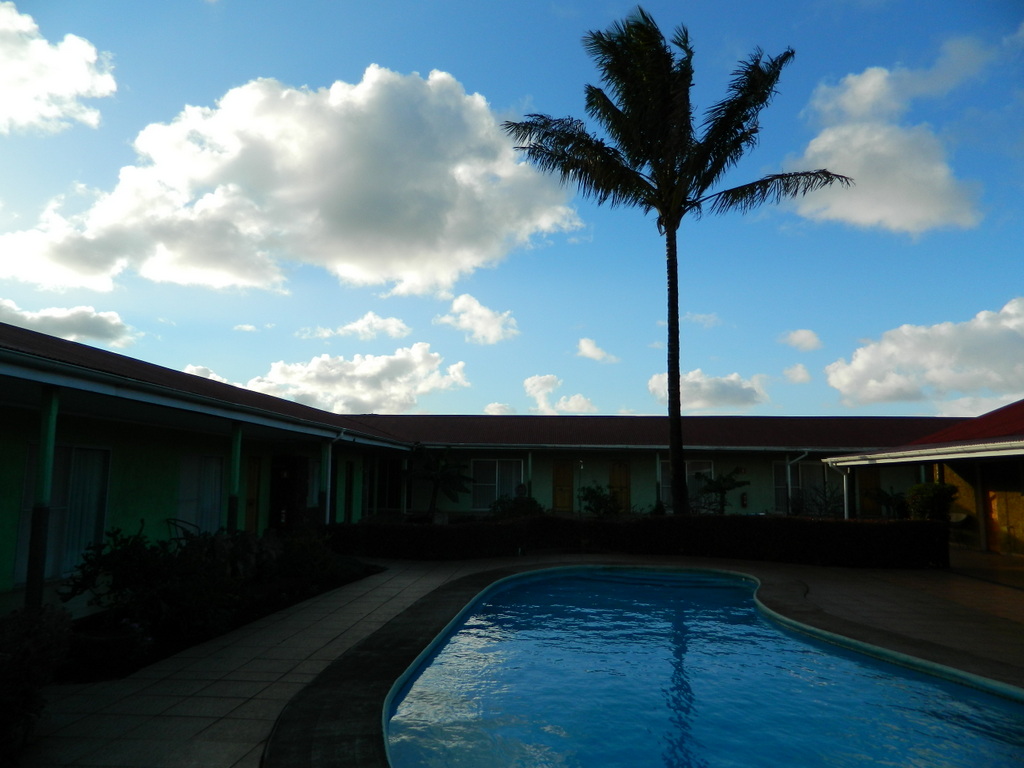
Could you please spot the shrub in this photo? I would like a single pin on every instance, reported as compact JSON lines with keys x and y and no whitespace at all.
{"x":891,"y":504}
{"x":815,"y":541}
{"x":308,"y":564}
{"x":157,"y":597}
{"x":180,"y":588}
{"x":598,"y":501}
{"x":930,"y":501}
{"x":713,"y":491}
{"x":824,"y":501}
{"x":32,"y":646}
{"x":511,"y":507}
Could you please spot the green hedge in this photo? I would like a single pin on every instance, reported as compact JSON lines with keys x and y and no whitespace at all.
{"x":159,"y":596}
{"x":861,"y":543}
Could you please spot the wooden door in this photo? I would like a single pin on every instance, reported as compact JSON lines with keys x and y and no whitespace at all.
{"x":562,"y":486}
{"x":618,"y":484}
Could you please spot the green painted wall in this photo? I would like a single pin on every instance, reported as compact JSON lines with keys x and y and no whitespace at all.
{"x":145,"y":468}
{"x":588,"y":467}
{"x":144,"y":474}
{"x":595,"y":467}
{"x":348,"y":486}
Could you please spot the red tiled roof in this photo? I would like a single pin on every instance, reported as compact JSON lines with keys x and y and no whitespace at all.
{"x":831,"y":433}
{"x":40,"y":345}
{"x":1000,"y":424}
{"x":839,"y":433}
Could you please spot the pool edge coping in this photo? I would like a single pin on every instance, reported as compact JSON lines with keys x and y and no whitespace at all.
{"x":916,"y":663}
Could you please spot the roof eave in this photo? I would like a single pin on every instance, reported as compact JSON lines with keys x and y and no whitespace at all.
{"x":68,"y":375}
{"x":932,"y":453}
{"x":641,"y":447}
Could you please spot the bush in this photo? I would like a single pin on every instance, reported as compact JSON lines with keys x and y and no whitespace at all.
{"x":511,"y":507}
{"x":598,"y":501}
{"x":33,"y":644}
{"x":867,"y":543}
{"x":157,"y":597}
{"x":930,"y":501}
{"x":182,"y":588}
{"x":811,"y":541}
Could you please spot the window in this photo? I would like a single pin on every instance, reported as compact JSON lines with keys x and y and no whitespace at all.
{"x":383,"y":484}
{"x":812,"y":479}
{"x":200,"y":490}
{"x":819,"y":496}
{"x":693,"y":484}
{"x":783,"y":484}
{"x":805,"y":493}
{"x":78,"y":504}
{"x":494,"y":479}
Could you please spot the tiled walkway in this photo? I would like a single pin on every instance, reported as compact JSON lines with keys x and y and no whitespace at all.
{"x":216,"y":704}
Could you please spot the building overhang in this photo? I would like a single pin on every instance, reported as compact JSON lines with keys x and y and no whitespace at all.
{"x":933,"y":453}
{"x":114,"y":397}
{"x":495,"y":446}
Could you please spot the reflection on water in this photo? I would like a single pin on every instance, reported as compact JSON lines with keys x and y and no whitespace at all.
{"x":621,"y":667}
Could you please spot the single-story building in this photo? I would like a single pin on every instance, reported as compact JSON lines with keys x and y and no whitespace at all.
{"x":984,"y":458}
{"x":777,"y":458}
{"x":92,"y":440}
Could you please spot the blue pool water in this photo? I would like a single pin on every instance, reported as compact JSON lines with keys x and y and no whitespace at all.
{"x":619,"y":667}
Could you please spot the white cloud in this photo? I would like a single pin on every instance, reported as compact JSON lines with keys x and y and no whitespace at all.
{"x":983,"y":357}
{"x":540,"y":389}
{"x":204,"y":372}
{"x":700,"y":391}
{"x":364,"y":384}
{"x":797,"y":374}
{"x":369,"y":326}
{"x":802,"y":339}
{"x":499,"y":409}
{"x":42,"y":83}
{"x":246,"y":328}
{"x":709,"y":320}
{"x":398,"y":180}
{"x":975,"y":406}
{"x":482,"y":325}
{"x":588,"y":348}
{"x":71,"y":323}
{"x":904,"y":182}
{"x":575,"y":404}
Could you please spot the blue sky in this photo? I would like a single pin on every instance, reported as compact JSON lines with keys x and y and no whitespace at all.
{"x":315,"y":200}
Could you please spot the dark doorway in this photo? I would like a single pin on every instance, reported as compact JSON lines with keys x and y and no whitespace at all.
{"x":289,"y":491}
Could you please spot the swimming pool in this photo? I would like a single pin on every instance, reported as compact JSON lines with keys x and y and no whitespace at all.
{"x":630,"y":667}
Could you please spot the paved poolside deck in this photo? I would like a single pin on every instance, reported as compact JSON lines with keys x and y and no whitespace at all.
{"x":305,"y":686}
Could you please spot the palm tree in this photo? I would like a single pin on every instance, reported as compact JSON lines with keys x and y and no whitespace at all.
{"x":654,"y":157}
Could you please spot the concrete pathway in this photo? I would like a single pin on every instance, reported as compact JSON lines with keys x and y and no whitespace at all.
{"x":215,"y":705}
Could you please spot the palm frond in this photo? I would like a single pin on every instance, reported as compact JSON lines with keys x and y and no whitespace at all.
{"x":731,"y":126}
{"x":564,"y":147}
{"x":651,"y":156}
{"x":628,"y":49}
{"x":638,"y":105}
{"x":644,"y":105}
{"x":773,"y":189}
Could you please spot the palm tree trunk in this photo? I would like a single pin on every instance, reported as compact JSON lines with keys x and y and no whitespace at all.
{"x":677,"y":462}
